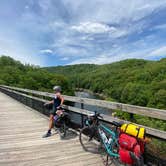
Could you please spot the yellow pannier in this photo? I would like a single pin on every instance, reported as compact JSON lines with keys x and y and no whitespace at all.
{"x":133,"y":130}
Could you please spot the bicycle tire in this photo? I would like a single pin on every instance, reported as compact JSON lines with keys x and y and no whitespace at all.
{"x":62,"y":130}
{"x":137,"y":161}
{"x":116,"y":162}
{"x":88,"y":143}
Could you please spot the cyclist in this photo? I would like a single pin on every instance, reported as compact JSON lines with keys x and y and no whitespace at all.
{"x":57,"y":103}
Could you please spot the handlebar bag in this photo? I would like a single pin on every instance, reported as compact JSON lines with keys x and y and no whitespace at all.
{"x":133,"y":130}
{"x":57,"y":121}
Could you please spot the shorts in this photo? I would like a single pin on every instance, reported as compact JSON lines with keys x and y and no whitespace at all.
{"x":53,"y":111}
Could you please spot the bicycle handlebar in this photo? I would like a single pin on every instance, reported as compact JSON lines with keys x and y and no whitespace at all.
{"x":98,"y":115}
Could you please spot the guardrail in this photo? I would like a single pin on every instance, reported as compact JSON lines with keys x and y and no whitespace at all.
{"x":145,"y":111}
{"x":149,"y":112}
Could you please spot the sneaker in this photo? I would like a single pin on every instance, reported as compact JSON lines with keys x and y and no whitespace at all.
{"x":48,"y":134}
{"x":56,"y":129}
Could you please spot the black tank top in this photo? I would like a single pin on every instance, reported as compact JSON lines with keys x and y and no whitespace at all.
{"x":57,"y":102}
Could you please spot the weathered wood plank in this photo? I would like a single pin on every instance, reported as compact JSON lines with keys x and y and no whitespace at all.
{"x":53,"y":161}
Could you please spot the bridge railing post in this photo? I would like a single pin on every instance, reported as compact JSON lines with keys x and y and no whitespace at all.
{"x":82,"y":116}
{"x":131,"y":116}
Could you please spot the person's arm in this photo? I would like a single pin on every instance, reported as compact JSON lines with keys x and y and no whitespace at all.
{"x":62,"y":100}
{"x":50,"y":102}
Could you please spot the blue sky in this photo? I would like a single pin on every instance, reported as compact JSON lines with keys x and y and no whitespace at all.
{"x":62,"y":32}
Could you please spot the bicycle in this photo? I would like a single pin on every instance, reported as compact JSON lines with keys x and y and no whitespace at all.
{"x":95,"y":134}
{"x":61,"y":122}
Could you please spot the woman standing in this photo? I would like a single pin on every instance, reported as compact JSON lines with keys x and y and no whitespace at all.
{"x":57,"y":102}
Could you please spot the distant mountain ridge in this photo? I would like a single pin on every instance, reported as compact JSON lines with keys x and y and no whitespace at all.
{"x":87,"y":68}
{"x":71,"y":69}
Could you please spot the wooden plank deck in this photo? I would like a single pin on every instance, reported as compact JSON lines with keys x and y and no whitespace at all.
{"x":21,"y":142}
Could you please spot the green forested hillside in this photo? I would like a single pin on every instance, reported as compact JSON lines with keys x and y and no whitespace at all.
{"x":133,"y":81}
{"x":31,"y":77}
{"x":72,"y":69}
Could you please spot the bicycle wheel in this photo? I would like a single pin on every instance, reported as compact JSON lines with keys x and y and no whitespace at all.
{"x":116,"y":161}
{"x":88,"y":141}
{"x":62,"y":130}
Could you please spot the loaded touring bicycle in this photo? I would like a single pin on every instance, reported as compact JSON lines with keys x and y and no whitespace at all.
{"x":123,"y":144}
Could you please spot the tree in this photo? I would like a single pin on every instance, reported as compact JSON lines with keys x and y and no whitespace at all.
{"x":135,"y":94}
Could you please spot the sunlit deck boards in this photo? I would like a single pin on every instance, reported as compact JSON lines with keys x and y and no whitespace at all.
{"x":21,"y":142}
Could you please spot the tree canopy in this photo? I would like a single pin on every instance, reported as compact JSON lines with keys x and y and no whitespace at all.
{"x":13,"y":73}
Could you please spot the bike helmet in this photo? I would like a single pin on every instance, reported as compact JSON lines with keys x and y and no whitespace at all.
{"x":57,"y":88}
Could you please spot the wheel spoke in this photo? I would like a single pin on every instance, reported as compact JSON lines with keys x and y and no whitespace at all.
{"x":89,"y":144}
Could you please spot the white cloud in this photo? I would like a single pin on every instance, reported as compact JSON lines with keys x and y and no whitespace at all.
{"x":86,"y":38}
{"x":26,"y":7}
{"x":112,"y":11}
{"x":101,"y":59}
{"x":146,"y":6}
{"x":12,"y":47}
{"x":92,"y":27}
{"x":46,"y":51}
{"x":26,"y":57}
{"x":45,"y":4}
{"x":65,"y":58}
{"x":69,"y":51}
{"x":160,"y":27}
{"x":119,"y":54}
{"x":159,"y":52}
{"x":116,"y":33}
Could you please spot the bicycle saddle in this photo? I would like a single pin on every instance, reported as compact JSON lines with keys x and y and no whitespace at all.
{"x":117,"y":124}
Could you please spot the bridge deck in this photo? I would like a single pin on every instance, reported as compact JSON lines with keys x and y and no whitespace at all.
{"x":21,"y":142}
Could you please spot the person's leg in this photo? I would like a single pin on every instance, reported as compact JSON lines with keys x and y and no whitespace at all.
{"x":48,"y":134}
{"x":51,"y":122}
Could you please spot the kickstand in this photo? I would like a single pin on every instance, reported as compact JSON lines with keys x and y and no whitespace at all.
{"x":107,"y":160}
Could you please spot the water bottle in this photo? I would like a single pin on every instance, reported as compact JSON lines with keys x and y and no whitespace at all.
{"x":104,"y":137}
{"x":110,"y":140}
